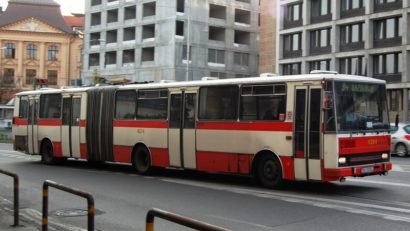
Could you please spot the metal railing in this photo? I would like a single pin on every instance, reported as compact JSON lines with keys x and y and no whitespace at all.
{"x":90,"y":202}
{"x":16,"y":195}
{"x":185,"y":221}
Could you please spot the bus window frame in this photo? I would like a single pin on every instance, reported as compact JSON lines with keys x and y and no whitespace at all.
{"x":40,"y":107}
{"x":218,"y":120}
{"x":159,"y":91}
{"x":26,"y":109}
{"x":285,"y":94}
{"x":135,"y":104}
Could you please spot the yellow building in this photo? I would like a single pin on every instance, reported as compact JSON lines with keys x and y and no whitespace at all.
{"x":36,"y":45}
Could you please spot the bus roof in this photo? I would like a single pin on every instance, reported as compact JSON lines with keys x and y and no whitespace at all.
{"x":214,"y":82}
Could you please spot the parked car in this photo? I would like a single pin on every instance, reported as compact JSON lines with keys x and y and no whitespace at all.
{"x":400,"y":139}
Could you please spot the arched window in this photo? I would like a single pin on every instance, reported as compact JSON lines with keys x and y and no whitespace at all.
{"x":10,"y":51}
{"x":52,"y":53}
{"x":31,"y":51}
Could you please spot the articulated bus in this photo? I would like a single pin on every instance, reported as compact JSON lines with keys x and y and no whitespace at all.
{"x":316,"y":127}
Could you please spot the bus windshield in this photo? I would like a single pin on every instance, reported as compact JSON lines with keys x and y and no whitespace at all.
{"x":360,"y":106}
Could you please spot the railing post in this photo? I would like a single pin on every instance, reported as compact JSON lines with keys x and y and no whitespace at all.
{"x":185,"y":221}
{"x":90,"y":202}
{"x":15,"y":194}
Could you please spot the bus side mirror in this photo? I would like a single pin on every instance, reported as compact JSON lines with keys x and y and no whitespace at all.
{"x":328,"y":100}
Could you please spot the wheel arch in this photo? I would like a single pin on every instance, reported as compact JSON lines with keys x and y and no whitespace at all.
{"x":258,"y":156}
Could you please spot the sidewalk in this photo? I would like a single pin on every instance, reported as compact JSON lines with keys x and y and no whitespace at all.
{"x":7,"y":220}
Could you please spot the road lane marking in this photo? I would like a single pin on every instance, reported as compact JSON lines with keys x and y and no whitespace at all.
{"x":378,"y":182}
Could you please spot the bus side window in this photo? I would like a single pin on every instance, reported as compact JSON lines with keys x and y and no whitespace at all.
{"x":50,"y":106}
{"x":23,"y":107}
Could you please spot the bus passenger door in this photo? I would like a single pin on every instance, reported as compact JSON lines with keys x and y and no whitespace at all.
{"x":182,"y":143}
{"x":307,"y":140}
{"x":70,"y":129}
{"x":32,"y":138}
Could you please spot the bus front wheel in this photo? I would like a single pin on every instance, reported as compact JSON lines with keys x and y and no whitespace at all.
{"x":142,"y":160}
{"x":269,"y":172}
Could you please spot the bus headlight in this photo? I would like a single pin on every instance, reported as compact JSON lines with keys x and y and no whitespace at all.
{"x":342,"y":160}
{"x":385,"y":156}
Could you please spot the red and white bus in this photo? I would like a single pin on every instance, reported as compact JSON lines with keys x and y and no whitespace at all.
{"x":316,"y":127}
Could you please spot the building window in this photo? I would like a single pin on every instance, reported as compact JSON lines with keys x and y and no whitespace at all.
{"x":217,"y":11}
{"x":111,"y":36}
{"x":10,"y":51}
{"x":217,"y":74}
{"x":52,"y":77}
{"x":112,"y":16}
{"x":110,"y":58}
{"x":216,"y":56}
{"x":242,"y":16}
{"x":30,"y":76}
{"x":128,"y":56}
{"x":95,"y":19}
{"x":291,"y":69}
{"x":180,"y":6}
{"x":320,"y":8}
{"x":320,"y":41}
{"x":293,"y":13}
{"x":52,"y":53}
{"x":95,"y":2}
{"x":292,"y":42}
{"x":31,"y":51}
{"x":352,"y":66}
{"x":148,"y":54}
{"x":94,"y":59}
{"x":185,"y":52}
{"x":352,"y":33}
{"x":179,"y":28}
{"x":129,"y":34}
{"x":148,"y":31}
{"x":217,"y":33}
{"x":387,"y":64}
{"x":149,"y":9}
{"x":242,"y":37}
{"x":388,"y":28}
{"x":241,"y":59}
{"x":8,"y":76}
{"x":323,"y":65}
{"x":394,"y":100}
{"x":95,"y":39}
{"x":130,"y":12}
{"x":386,"y":5}
{"x":347,"y":5}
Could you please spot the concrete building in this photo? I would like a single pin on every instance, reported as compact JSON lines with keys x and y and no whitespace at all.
{"x":143,"y":40}
{"x":36,"y":43}
{"x":349,"y":36}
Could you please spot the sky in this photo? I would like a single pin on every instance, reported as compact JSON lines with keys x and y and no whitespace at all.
{"x":67,"y":6}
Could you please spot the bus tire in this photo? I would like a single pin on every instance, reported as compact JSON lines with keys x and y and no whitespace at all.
{"x":47,"y":153}
{"x":141,"y":160}
{"x":269,"y":172}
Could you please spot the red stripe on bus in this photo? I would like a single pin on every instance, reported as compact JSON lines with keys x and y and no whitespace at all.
{"x":288,"y":167}
{"x":18,"y":121}
{"x":333,"y":174}
{"x":358,"y":145}
{"x":83,"y":123}
{"x":83,"y":151}
{"x":300,"y":154}
{"x":122,"y":154}
{"x":57,"y":148}
{"x":140,"y":124}
{"x":223,"y":162}
{"x":49,"y":122}
{"x":246,"y":126}
{"x":160,"y":157}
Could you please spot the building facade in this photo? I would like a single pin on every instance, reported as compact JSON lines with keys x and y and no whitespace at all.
{"x":36,"y":44}
{"x":144,"y":40}
{"x":363,"y":37}
{"x":268,"y":36}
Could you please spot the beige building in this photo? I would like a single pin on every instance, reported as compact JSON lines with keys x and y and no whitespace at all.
{"x":267,"y":36}
{"x":36,"y":45}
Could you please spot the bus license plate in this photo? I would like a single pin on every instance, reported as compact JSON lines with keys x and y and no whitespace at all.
{"x":367,"y":170}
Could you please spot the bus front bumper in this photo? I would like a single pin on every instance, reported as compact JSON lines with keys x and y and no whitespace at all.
{"x":334,"y":174}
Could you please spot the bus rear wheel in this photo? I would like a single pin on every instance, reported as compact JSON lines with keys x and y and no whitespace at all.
{"x":142,"y":160}
{"x":47,"y":153}
{"x":269,"y":172}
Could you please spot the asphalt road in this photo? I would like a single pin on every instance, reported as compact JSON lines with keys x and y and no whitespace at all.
{"x":123,"y":198}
